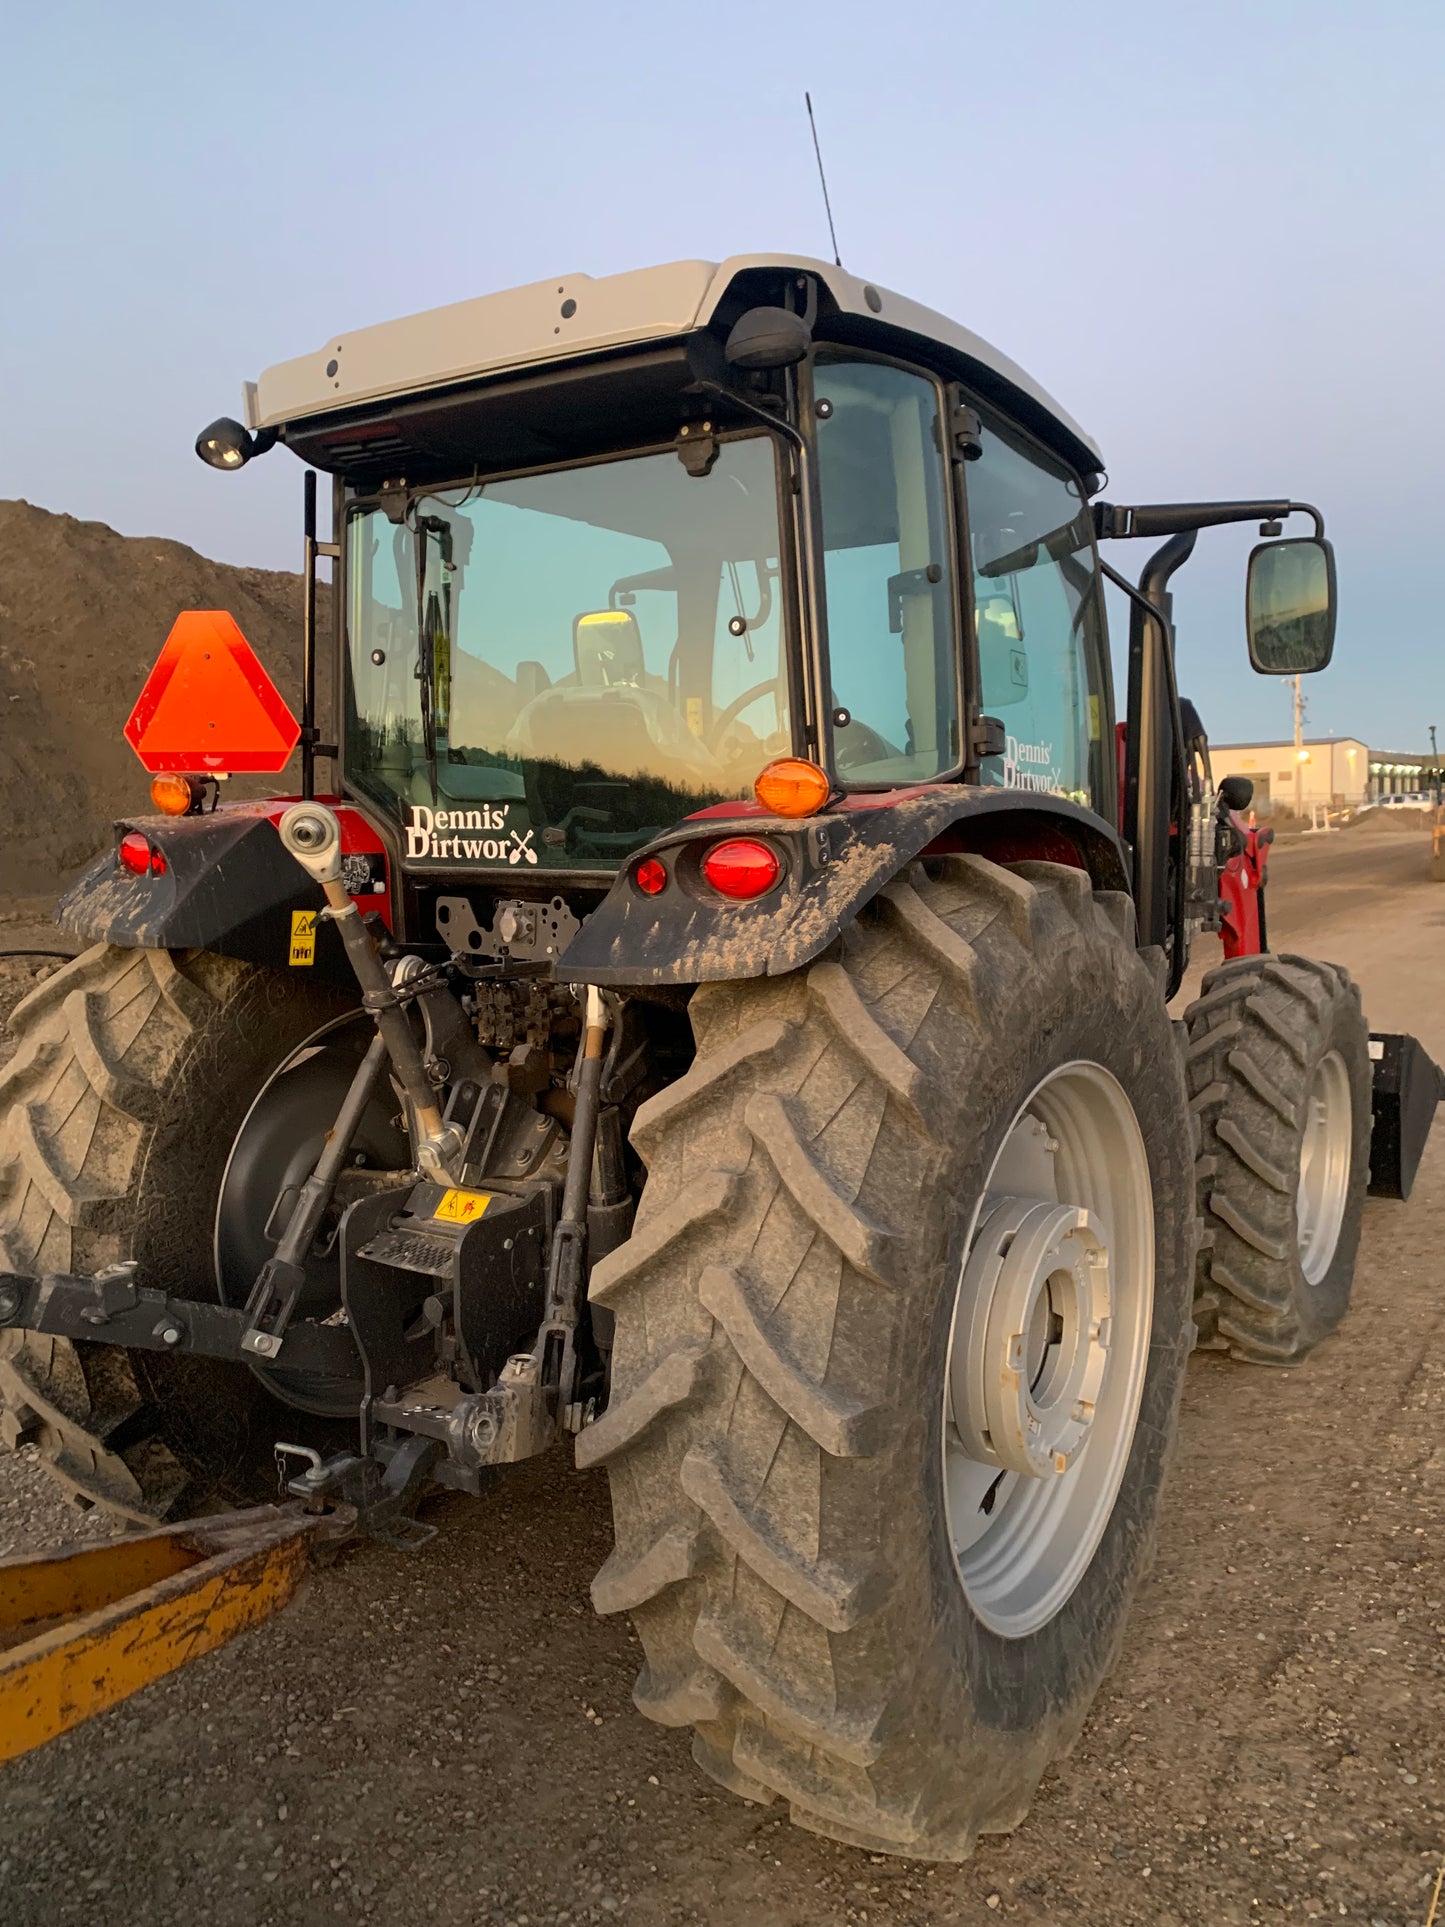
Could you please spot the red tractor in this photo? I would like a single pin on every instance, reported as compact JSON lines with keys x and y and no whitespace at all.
{"x":717,"y":1016}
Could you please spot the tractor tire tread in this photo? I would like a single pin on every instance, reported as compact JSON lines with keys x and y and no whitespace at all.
{"x":774,"y":1231}
{"x":1256,"y":1032}
{"x":103,"y":1047}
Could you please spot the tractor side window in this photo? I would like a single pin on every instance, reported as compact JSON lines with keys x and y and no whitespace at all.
{"x":887,"y":574}
{"x":1039,"y":616}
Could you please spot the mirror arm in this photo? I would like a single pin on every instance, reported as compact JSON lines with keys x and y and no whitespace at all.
{"x":1308,"y":508}
{"x":1112,"y":523}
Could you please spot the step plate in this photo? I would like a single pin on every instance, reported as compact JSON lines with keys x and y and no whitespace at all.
{"x":411,"y":1251}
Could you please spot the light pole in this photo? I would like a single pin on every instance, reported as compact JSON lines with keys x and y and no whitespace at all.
{"x":1299,"y":749}
{"x":1434,"y":767}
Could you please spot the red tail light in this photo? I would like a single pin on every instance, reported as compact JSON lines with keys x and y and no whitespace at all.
{"x":650,"y":876}
{"x":741,"y":868}
{"x":138,"y":855}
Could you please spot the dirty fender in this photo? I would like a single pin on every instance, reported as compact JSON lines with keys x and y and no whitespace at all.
{"x":832,"y":864}
{"x":229,"y":886}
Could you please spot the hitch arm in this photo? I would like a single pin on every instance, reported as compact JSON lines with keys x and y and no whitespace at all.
{"x":311,"y":833}
{"x":112,"y":1309}
{"x":282,"y":1278}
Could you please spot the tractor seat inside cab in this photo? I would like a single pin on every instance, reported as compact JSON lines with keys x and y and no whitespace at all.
{"x":612,"y":711}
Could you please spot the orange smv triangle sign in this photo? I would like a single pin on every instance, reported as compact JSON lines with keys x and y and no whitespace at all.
{"x":209,"y":705}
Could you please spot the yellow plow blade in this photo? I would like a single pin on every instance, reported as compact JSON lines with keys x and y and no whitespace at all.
{"x":86,"y":1626}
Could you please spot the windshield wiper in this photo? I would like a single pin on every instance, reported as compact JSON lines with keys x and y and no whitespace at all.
{"x":1056,"y":545}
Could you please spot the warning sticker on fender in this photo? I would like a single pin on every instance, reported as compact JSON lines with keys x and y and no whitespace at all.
{"x":303,"y":937}
{"x":461,"y":1207}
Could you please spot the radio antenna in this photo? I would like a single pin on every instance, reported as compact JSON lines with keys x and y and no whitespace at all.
{"x":823,"y":178}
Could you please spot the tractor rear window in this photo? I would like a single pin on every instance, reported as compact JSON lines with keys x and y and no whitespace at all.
{"x":549,"y":670}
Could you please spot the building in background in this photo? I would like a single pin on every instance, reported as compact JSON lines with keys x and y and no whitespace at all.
{"x":1394,"y":772}
{"x":1338,"y":772}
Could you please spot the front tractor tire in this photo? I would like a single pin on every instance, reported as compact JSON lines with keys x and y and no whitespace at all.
{"x":913,"y":1219}
{"x":133,"y":1074}
{"x":1279,"y":1076}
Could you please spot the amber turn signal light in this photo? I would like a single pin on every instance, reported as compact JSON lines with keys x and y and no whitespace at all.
{"x":175,"y":795}
{"x":791,"y":786}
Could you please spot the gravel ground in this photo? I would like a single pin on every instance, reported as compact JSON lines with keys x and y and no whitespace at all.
{"x":448,"y":1735}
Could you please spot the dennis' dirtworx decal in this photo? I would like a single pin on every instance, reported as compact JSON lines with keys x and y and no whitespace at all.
{"x":1050,"y":777}
{"x":453,"y":835}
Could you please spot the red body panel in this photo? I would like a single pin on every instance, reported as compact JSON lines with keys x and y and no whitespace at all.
{"x":1241,"y":881}
{"x":358,"y":839}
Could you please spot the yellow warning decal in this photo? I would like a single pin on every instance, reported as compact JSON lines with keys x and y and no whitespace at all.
{"x":303,"y":937}
{"x":461,"y":1207}
{"x":694,"y":714}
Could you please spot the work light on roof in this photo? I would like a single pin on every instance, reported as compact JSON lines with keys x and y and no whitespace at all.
{"x":225,"y":444}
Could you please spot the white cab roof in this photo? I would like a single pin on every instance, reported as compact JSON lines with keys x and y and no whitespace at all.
{"x":573,"y":315}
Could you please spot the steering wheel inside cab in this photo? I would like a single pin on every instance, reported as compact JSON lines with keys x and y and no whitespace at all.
{"x":725,"y":718}
{"x":643,"y":729}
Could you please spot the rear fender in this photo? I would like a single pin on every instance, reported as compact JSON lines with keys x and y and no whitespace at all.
{"x":229,"y":886}
{"x":832,"y":865}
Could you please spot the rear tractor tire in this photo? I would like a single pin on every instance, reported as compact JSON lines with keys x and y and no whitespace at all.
{"x":133,"y":1074}
{"x":1279,"y":1076}
{"x":900,"y":1338}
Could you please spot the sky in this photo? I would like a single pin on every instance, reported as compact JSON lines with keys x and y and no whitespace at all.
{"x":1212,"y":231}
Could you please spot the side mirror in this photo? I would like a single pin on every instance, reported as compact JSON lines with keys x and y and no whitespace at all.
{"x":1290,"y":606}
{"x":768,"y":338}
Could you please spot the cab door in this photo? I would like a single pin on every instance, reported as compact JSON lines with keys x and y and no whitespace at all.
{"x":894,"y":695}
{"x":1038,"y":614}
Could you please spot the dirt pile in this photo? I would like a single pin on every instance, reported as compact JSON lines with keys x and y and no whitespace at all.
{"x":83,"y":615}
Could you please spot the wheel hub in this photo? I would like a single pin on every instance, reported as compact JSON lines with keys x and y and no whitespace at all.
{"x":1324,"y":1166}
{"x":1048,"y":1348}
{"x":1034,"y":1312}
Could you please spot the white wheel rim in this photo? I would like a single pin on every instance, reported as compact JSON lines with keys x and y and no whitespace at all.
{"x":1048,"y":1348}
{"x":1324,"y":1166}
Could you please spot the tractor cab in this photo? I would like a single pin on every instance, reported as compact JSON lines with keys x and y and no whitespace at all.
{"x":605,"y":550}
